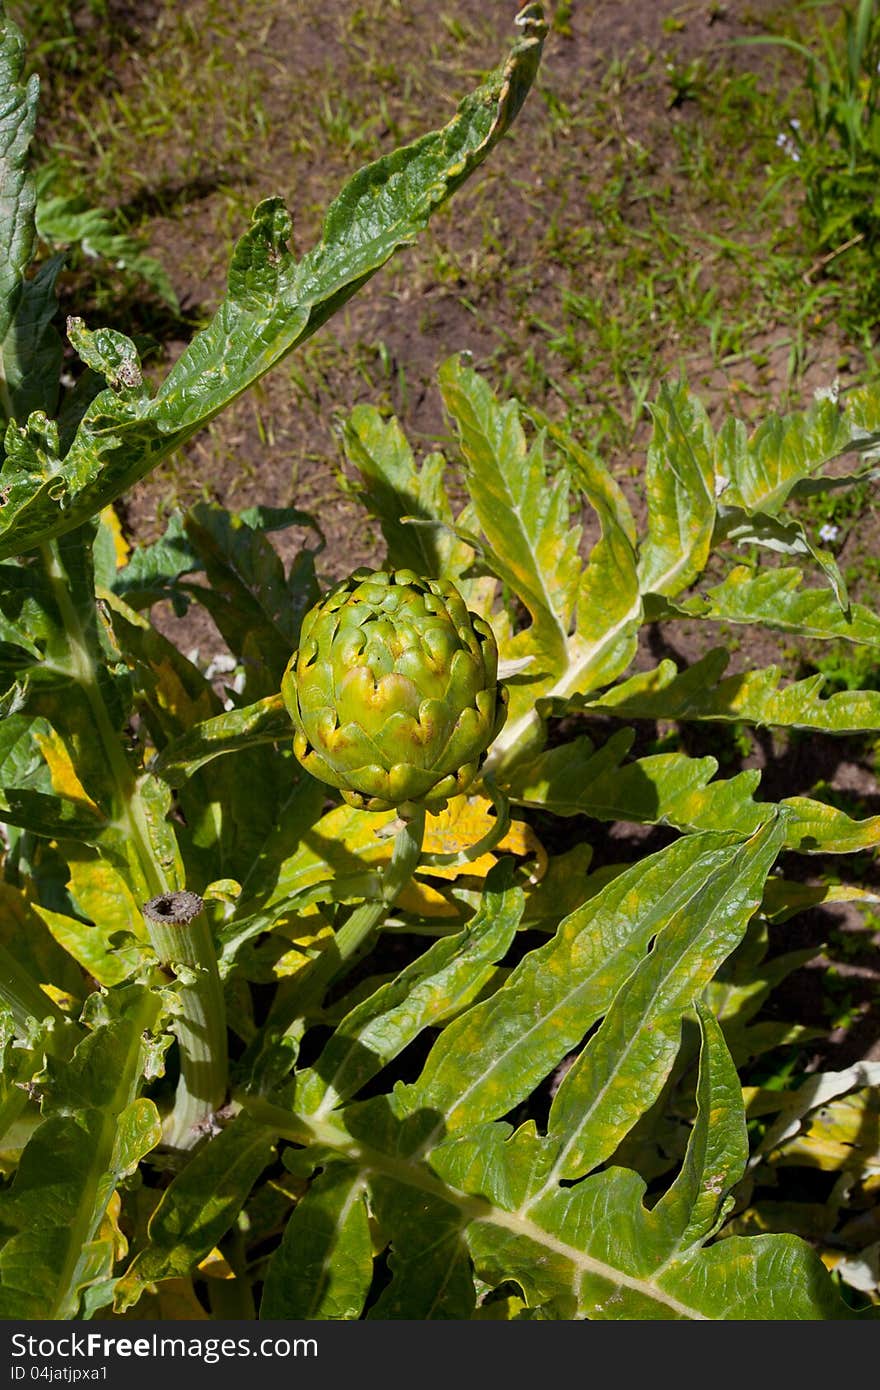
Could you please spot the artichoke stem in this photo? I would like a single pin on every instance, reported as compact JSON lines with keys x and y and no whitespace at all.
{"x":180,"y":936}
{"x":357,"y":932}
{"x":356,"y":935}
{"x":493,"y":837}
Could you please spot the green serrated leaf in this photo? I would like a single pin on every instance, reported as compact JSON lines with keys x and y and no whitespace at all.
{"x":393,"y":488}
{"x":64,"y":220}
{"x":439,"y":984}
{"x":249,"y":596}
{"x":592,"y":1249}
{"x":56,"y":818}
{"x":776,"y":598}
{"x":673,"y":789}
{"x":608,"y":608}
{"x":111,"y":354}
{"x":622,"y":1068}
{"x":664,"y":788}
{"x":430,"y":1270}
{"x":758,"y":473}
{"x":17,"y":200}
{"x":153,"y":570}
{"x":323,"y":1267}
{"x":583,"y":622}
{"x":787,"y":537}
{"x":273,"y":305}
{"x":265,"y":721}
{"x":32,"y":351}
{"x":490,"y":1058}
{"x":199,"y":1206}
{"x":681,"y":493}
{"x":755,"y":697}
{"x":692,"y":1209}
{"x":97,"y":1130}
{"x":524,"y":519}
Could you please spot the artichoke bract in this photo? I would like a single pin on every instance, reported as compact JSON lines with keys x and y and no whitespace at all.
{"x":394,"y":691}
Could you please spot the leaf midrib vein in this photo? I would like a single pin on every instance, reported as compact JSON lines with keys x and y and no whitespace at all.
{"x":413,"y":1174}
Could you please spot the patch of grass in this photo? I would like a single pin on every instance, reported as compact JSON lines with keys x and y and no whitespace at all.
{"x":846,"y":667}
{"x":663,"y":262}
{"x":842,"y":505}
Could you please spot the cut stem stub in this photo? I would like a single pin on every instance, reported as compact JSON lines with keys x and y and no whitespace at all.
{"x":174,"y":909}
{"x":180,"y":936}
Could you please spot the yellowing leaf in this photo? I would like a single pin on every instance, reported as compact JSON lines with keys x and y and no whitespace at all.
{"x":109,"y":1228}
{"x":171,"y":1300}
{"x":466,"y":821}
{"x":426,"y":901}
{"x":61,"y":997}
{"x":64,"y":779}
{"x":345,"y":841}
{"x":121,"y":546}
{"x":177,"y":1299}
{"x":89,"y":946}
{"x":500,"y":1309}
{"x":215,"y":1266}
{"x":173,"y":697}
{"x":223,"y":890}
{"x":331,"y":845}
{"x":102,"y":894}
{"x":291,"y":963}
{"x":843,"y":1134}
{"x":307,"y":945}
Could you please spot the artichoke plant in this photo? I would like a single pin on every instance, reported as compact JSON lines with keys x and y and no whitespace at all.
{"x":393,"y":691}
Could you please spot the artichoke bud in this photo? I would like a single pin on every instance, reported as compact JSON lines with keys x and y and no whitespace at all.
{"x":394,"y":691}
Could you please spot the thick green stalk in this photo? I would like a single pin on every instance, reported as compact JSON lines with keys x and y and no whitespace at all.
{"x":200,"y":1027}
{"x":356,"y":934}
{"x":181,"y":938}
{"x":80,"y":667}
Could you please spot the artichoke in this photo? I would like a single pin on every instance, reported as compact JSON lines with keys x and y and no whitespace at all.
{"x":393,"y":691}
